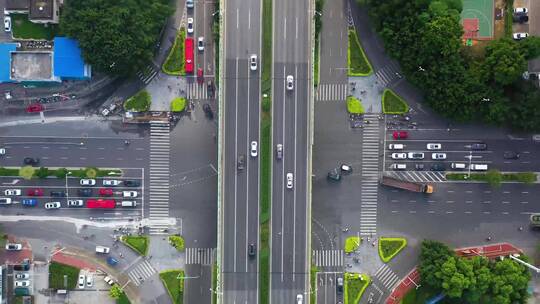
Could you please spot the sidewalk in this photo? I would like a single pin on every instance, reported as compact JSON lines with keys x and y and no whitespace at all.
{"x":369,"y":91}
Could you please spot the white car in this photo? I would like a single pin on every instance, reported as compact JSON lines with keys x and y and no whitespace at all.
{"x":13,"y":247}
{"x":415,"y":155}
{"x":200,"y":44}
{"x":2,"y":151}
{"x":253,"y":150}
{"x":87,"y":182}
{"x":190,"y":25}
{"x":290,"y":179}
{"x":108,"y":280}
{"x":89,"y":280}
{"x":12,"y":192}
{"x":102,"y":249}
{"x":433,"y":146}
{"x":81,"y":281}
{"x":521,"y":10}
{"x":7,"y":23}
{"x":396,"y":147}
{"x":519,"y":36}
{"x":399,"y":155}
{"x":129,"y":193}
{"x":25,"y":283}
{"x":22,"y":276}
{"x":290,"y":82}
{"x":438,"y":156}
{"x":299,"y":299}
{"x":111,"y":182}
{"x":52,"y":205}
{"x":75,"y":203}
{"x":253,"y":62}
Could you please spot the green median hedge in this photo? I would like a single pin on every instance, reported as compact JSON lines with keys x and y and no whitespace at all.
{"x":358,"y":63}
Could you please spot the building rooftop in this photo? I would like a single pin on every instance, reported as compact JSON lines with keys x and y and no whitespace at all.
{"x":5,"y":60}
{"x":17,"y":5}
{"x":41,"y":9}
{"x":534,"y":66}
{"x":68,"y":61}
{"x":31,"y":66}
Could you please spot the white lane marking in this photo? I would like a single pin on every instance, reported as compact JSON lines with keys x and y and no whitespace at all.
{"x":237,"y":26}
{"x":294,"y":171}
{"x":296,"y":30}
{"x":284,"y":33}
{"x":236,"y":157}
{"x":283,"y":181}
{"x":247,"y":170}
{"x":249,"y":26}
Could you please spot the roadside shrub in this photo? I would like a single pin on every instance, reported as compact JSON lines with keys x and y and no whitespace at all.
{"x":27,"y":172}
{"x":42,"y":172}
{"x":178,"y":104}
{"x":91,"y":172}
{"x":61,"y":173}
{"x":177,"y":242}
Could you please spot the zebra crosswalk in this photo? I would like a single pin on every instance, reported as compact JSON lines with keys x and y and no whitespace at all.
{"x":147,"y":74}
{"x":159,"y":176}
{"x":328,"y":258}
{"x":203,"y":256}
{"x":141,"y":272}
{"x":386,"y":276}
{"x":370,"y":173}
{"x":195,"y":90}
{"x":419,"y":176}
{"x":331,"y":92}
{"x":388,"y":73}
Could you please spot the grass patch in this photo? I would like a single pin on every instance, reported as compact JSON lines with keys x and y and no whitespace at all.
{"x":316,"y":63}
{"x":418,"y":296}
{"x":56,"y":276}
{"x":352,"y":243}
{"x":123,"y":299}
{"x":354,"y":105}
{"x":178,"y":104}
{"x":30,"y":172}
{"x":24,"y":29}
{"x":174,"y":64}
{"x":358,"y":63}
{"x":393,"y":103}
{"x":266,"y":58}
{"x":174,"y":282}
{"x":355,"y":285}
{"x":522,"y":177}
{"x":177,"y":242}
{"x":390,"y":247}
{"x":264,"y":274}
{"x":137,"y":243}
{"x":214,"y":283}
{"x":139,"y":102}
{"x":313,"y":283}
{"x":508,"y":19}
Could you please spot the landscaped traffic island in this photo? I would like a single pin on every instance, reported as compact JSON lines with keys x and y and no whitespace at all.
{"x":389,"y":247}
{"x":355,"y":285}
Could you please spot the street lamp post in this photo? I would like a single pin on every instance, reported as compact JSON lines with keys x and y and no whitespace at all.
{"x":470,"y":161}
{"x":67,"y":189}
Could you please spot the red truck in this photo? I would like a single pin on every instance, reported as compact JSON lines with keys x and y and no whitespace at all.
{"x":406,"y":185}
{"x":100,"y":204}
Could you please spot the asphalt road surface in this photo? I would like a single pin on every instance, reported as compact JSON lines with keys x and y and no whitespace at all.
{"x":240,"y":205}
{"x":289,"y":245}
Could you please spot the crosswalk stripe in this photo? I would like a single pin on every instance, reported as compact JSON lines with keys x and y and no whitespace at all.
{"x":328,"y":258}
{"x":331,"y":92}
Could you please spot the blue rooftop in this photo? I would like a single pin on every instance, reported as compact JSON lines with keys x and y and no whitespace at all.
{"x":5,"y":60}
{"x":68,"y":62}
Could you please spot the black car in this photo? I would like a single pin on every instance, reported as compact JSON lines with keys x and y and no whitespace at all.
{"x":438,"y":167}
{"x":511,"y":155}
{"x":251,"y":250}
{"x":479,"y":146}
{"x":334,"y":175}
{"x":419,"y":167}
{"x":31,"y":161}
{"x":131,"y":183}
{"x":21,"y":267}
{"x":241,"y":162}
{"x":339,"y":285}
{"x":58,"y":193}
{"x":208,"y":111}
{"x":520,"y":18}
{"x":85,"y":192}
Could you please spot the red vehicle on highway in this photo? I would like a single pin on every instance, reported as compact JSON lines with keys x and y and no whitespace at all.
{"x":106,"y":192}
{"x":100,"y":204}
{"x":200,"y":77}
{"x":400,"y":134}
{"x":36,"y":107}
{"x":34,"y":192}
{"x":188,"y":54}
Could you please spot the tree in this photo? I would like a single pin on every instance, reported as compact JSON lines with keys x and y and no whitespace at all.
{"x":61,"y":173}
{"x":433,"y":255}
{"x":509,"y":282}
{"x":530,"y":47}
{"x":115,"y":292}
{"x":42,"y":172}
{"x":494,"y":177}
{"x":456,"y":276}
{"x":116,"y":37}
{"x":504,"y":62}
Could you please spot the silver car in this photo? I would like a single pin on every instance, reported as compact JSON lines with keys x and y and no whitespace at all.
{"x":290,"y":82}
{"x":290,"y":179}
{"x":279,"y":151}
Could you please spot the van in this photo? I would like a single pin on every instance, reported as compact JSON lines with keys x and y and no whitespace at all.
{"x":458,"y":166}
{"x":129,"y":204}
{"x":398,"y":167}
{"x":396,"y":146}
{"x":189,"y":3}
{"x":102,"y":249}
{"x":479,"y":167}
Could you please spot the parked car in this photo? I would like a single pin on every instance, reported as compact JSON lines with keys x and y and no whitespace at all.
{"x":190,"y":3}
{"x":89,"y":280}
{"x":290,"y":180}
{"x":253,"y":62}
{"x":253,"y":149}
{"x":396,"y":147}
{"x":87,"y":182}
{"x":129,"y":193}
{"x":106,"y":192}
{"x":75,"y":203}
{"x":29,"y":202}
{"x":34,"y":192}
{"x":131,"y":183}
{"x":24,"y":283}
{"x":290,"y":82}
{"x":31,"y":161}
{"x":111,"y":182}
{"x":511,"y":155}
{"x":12,"y":192}
{"x":438,"y":167}
{"x":7,"y":23}
{"x":190,"y":26}
{"x":399,"y":155}
{"x":81,"y":281}
{"x":279,"y":151}
{"x":208,"y":111}
{"x":433,"y":146}
{"x":22,"y":276}
{"x":33,"y":108}
{"x":400,"y":134}
{"x":520,"y":10}
{"x":520,"y":18}
{"x":438,"y":156}
{"x":415,"y":155}
{"x":520,"y":36}
{"x":53,"y":205}
{"x":58,"y":193}
{"x":334,"y":175}
{"x":14,"y":246}
{"x":398,"y":166}
{"x":85,"y":192}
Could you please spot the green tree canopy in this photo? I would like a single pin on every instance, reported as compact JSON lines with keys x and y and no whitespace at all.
{"x":116,"y":37}
{"x":504,"y":62}
{"x":432,"y":255}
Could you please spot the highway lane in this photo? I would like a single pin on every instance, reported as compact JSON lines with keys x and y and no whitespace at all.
{"x":242,"y":120}
{"x":290,"y":127}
